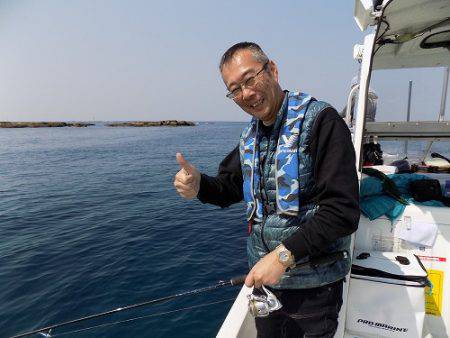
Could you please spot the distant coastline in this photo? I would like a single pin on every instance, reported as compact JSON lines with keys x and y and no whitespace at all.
{"x":169,"y":123}
{"x":44,"y":124}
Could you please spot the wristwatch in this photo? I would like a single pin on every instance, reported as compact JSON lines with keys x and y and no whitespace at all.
{"x":285,"y":257}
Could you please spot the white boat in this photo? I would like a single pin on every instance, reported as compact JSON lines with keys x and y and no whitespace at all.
{"x":401,"y":34}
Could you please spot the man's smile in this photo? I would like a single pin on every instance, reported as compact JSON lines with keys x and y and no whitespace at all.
{"x":257,"y":104}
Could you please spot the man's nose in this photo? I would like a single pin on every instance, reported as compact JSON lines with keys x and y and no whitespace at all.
{"x":247,"y":93}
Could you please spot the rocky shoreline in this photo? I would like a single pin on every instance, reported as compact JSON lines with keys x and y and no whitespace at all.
{"x":168,"y":123}
{"x":44,"y":124}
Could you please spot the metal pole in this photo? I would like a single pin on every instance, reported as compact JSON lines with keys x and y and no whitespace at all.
{"x":364,"y":80}
{"x":408,"y":114}
{"x":441,"y":109}
{"x":348,"y":117}
{"x":444,"y":95}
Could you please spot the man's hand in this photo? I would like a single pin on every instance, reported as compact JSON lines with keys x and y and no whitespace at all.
{"x":267,"y":271}
{"x":187,"y":180}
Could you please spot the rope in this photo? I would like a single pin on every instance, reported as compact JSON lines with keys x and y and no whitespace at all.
{"x":142,"y":317}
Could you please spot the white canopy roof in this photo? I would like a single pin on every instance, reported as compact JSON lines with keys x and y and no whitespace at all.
{"x":405,"y":30}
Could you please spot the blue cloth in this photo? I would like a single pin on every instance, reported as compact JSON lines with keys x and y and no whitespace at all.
{"x":287,"y":161}
{"x":267,"y":235}
{"x":375,"y":203}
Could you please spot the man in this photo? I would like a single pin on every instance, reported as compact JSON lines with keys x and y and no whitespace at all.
{"x":295,"y":168}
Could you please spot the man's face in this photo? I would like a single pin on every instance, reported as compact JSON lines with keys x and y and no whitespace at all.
{"x":262,"y":99}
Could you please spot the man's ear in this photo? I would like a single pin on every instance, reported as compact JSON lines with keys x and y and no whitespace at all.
{"x":273,"y":69}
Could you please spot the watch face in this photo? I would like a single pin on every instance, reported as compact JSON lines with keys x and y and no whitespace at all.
{"x":284,"y":257}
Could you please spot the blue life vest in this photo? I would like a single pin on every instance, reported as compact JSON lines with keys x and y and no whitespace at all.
{"x":280,"y":210}
{"x":286,"y":159}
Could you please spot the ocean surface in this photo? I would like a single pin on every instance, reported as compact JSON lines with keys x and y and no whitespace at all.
{"x":90,"y":221}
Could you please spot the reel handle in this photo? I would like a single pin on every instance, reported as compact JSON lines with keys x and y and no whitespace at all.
{"x":239,"y":280}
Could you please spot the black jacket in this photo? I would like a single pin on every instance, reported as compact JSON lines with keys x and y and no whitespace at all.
{"x":336,"y":188}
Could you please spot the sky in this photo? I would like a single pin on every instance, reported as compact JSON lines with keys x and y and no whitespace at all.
{"x":98,"y":60}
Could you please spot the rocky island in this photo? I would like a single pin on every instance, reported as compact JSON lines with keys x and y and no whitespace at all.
{"x":43,"y":124}
{"x":168,"y":123}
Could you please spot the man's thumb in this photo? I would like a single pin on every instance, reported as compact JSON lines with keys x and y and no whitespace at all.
{"x":183,"y":163}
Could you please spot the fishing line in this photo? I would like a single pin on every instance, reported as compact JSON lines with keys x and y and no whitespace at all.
{"x":232,"y":282}
{"x":314,"y":262}
{"x":142,"y":317}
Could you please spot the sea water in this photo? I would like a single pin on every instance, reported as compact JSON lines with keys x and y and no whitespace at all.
{"x":90,"y":221}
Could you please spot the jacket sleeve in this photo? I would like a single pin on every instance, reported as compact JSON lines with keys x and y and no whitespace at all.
{"x":336,"y":189}
{"x":226,"y":187}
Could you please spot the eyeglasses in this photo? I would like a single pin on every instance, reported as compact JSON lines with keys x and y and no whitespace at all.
{"x":249,"y":83}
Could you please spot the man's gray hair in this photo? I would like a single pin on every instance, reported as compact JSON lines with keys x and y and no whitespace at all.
{"x":257,"y":53}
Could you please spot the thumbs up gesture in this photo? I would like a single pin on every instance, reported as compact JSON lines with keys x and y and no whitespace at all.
{"x":187,"y":180}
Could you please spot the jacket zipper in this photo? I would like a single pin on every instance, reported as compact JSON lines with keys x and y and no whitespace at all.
{"x":267,"y":196}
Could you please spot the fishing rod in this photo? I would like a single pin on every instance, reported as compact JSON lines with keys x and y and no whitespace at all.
{"x":232,"y":282}
{"x":313,"y":262}
{"x":152,"y":315}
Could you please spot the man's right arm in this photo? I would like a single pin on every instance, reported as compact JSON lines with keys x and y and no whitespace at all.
{"x":225,"y":188}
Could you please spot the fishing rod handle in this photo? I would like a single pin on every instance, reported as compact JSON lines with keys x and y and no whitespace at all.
{"x":238,"y":280}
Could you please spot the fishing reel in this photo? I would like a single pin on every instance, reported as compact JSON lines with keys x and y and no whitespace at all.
{"x":261,"y":305}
